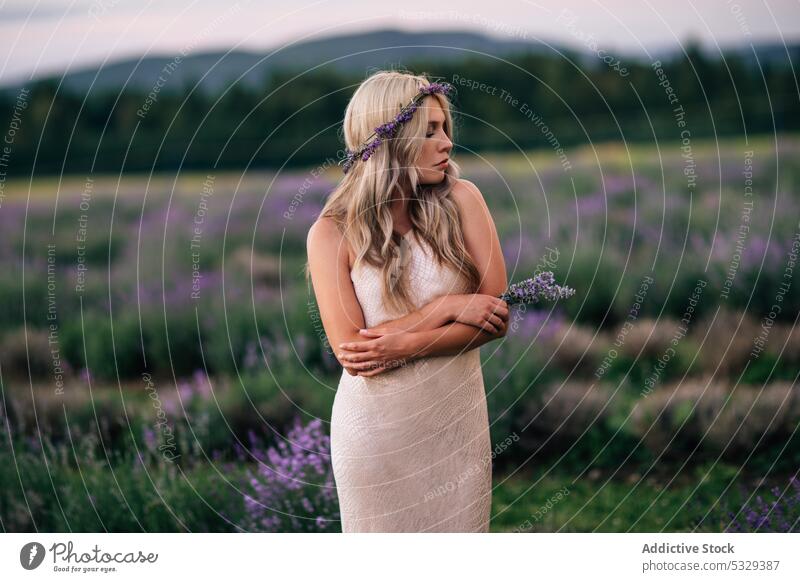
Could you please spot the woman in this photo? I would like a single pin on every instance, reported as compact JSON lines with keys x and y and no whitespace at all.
{"x":406,"y":267}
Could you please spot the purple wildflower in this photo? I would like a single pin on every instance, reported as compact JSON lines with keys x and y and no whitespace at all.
{"x":251,"y":360}
{"x":150,"y":439}
{"x":86,"y":375}
{"x":293,"y":489}
{"x":539,"y":288}
{"x":781,"y":515}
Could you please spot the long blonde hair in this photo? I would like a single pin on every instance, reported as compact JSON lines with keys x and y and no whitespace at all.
{"x":360,"y":204}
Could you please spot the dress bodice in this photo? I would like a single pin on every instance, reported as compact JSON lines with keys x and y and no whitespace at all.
{"x":427,"y":280}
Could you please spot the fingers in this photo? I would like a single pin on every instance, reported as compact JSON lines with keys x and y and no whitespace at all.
{"x":357,"y":346}
{"x":486,"y":314}
{"x":358,"y":357}
{"x":498,"y":328}
{"x":498,"y":306}
{"x":374,"y":372}
{"x":369,"y":364}
{"x":376,"y":366}
{"x":501,"y":308}
{"x":496,"y":321}
{"x":489,"y":326}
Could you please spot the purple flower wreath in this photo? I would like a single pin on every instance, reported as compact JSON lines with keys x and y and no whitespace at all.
{"x":539,"y":288}
{"x":389,"y":130}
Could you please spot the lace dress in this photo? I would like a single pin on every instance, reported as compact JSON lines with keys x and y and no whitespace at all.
{"x":410,"y":446}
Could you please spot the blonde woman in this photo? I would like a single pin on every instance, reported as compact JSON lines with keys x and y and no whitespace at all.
{"x":406,"y":268}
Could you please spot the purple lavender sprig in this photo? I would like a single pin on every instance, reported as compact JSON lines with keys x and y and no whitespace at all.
{"x":539,"y":288}
{"x":294,"y":489}
{"x":781,"y":515}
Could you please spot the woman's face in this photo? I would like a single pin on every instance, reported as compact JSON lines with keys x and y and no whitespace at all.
{"x":436,"y":146}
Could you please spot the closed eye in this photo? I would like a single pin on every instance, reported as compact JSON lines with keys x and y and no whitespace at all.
{"x":431,"y":128}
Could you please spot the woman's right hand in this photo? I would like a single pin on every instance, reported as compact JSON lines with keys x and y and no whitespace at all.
{"x":482,"y":311}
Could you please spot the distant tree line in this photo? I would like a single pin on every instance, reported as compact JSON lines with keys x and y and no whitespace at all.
{"x":501,"y":105}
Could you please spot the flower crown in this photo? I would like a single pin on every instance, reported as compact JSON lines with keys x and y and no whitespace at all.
{"x":388,"y":130}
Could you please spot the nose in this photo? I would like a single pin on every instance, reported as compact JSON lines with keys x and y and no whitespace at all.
{"x":445,"y":145}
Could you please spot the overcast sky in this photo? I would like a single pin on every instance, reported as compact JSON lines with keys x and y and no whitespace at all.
{"x":46,"y":36}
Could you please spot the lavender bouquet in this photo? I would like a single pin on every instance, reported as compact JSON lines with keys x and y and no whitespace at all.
{"x":539,"y":288}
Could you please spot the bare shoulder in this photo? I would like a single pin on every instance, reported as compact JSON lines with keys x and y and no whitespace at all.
{"x":481,"y":237}
{"x":464,"y":187}
{"x":322,"y":231}
{"x":326,"y":241}
{"x":468,"y":196}
{"x":471,"y":203}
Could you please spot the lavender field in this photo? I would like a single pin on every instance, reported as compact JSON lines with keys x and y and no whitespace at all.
{"x":164,"y":368}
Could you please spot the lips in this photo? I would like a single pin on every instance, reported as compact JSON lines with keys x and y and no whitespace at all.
{"x":443,"y":162}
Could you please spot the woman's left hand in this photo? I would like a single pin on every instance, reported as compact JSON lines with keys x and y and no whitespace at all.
{"x":389,"y":348}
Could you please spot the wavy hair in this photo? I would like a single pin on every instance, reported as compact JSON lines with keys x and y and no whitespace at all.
{"x":360,"y":203}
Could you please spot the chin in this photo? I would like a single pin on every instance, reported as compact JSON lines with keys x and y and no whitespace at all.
{"x":433,"y":177}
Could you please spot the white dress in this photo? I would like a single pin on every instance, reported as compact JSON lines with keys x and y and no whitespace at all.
{"x":410,"y":446}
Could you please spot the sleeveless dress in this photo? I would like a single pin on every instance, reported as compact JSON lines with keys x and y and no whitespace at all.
{"x":410,"y":447}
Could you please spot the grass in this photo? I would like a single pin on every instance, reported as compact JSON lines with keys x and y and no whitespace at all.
{"x":597,"y":502}
{"x":77,"y":491}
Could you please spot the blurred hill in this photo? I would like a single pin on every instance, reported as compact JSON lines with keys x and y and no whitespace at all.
{"x":213,"y":71}
{"x":241,"y":109}
{"x":351,"y":53}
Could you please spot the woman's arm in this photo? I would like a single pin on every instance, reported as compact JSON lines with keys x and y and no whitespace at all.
{"x":372,"y":357}
{"x":451,"y":339}
{"x":483,"y":244}
{"x":328,"y":264}
{"x":480,"y":237}
{"x":434,"y":314}
{"x":478,"y":310}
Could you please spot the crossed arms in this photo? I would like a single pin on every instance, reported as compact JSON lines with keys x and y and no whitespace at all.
{"x":416,"y":335}
{"x":450,"y":324}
